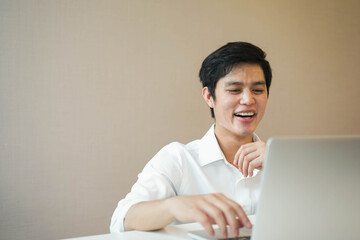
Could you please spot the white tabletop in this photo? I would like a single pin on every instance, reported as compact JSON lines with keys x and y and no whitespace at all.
{"x":171,"y":232}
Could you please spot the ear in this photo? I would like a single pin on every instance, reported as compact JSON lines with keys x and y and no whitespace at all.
{"x":207,"y":97}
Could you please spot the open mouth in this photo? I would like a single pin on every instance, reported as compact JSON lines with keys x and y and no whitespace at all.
{"x":245,"y":115}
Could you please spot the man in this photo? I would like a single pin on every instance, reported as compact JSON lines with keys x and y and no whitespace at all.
{"x":214,"y":180}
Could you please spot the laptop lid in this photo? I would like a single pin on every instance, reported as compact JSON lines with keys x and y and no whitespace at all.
{"x":310,"y":189}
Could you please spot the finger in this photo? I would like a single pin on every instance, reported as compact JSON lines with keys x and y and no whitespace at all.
{"x":238,"y":217}
{"x":237,"y":155}
{"x":236,"y":158}
{"x":243,"y":152}
{"x":205,"y":221}
{"x":216,"y":214}
{"x":241,"y":162}
{"x":247,"y":159}
{"x":254,"y":164}
{"x":239,"y":211}
{"x":229,"y":213}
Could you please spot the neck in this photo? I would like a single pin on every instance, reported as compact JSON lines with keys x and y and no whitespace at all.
{"x":230,"y":143}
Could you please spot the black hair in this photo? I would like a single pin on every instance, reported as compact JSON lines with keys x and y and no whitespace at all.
{"x":220,"y":63}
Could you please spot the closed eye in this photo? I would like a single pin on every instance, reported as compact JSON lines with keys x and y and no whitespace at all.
{"x":258,"y":91}
{"x":234,"y":91}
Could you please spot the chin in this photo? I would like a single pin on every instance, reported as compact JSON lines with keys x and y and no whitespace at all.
{"x":244,"y":134}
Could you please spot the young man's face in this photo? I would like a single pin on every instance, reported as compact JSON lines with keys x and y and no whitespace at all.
{"x":240,"y":101}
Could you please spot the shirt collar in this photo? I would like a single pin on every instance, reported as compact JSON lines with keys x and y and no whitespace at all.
{"x":210,"y":150}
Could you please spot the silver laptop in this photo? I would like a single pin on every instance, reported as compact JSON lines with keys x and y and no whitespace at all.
{"x":310,"y":189}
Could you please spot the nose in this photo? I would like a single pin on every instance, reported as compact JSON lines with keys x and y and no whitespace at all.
{"x":247,"y":98}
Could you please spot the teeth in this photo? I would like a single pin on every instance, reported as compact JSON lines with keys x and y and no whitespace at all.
{"x":245,"y":114}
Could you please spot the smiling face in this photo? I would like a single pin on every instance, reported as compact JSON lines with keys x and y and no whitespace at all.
{"x":240,"y":101}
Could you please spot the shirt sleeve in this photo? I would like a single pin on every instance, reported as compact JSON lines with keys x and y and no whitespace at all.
{"x":160,"y":179}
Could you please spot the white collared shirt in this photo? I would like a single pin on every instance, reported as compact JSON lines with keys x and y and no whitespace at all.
{"x":198,"y":167}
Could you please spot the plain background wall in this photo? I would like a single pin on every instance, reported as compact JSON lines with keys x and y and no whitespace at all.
{"x":91,"y":90}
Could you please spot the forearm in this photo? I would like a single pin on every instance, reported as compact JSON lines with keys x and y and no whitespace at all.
{"x":150,"y":215}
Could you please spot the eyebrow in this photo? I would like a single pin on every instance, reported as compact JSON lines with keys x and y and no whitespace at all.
{"x":236,"y":83}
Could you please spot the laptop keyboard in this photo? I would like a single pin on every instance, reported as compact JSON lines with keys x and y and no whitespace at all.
{"x":236,"y":238}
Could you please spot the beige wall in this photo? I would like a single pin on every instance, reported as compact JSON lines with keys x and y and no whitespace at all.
{"x":91,"y":90}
